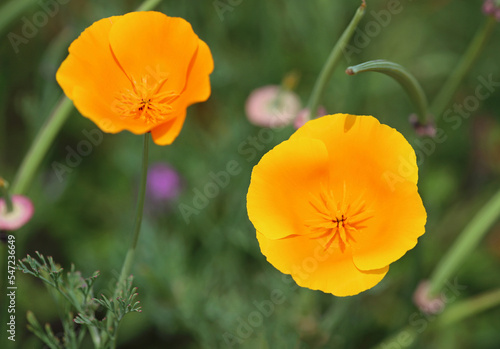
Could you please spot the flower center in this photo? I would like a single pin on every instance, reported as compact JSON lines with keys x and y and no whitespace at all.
{"x":145,"y":101}
{"x":338,"y":222}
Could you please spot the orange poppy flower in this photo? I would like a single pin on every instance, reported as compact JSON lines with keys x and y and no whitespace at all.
{"x":337,"y":203}
{"x":137,"y":72}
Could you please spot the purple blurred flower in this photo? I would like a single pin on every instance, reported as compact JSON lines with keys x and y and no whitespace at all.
{"x":272,"y":106}
{"x":164,"y":183}
{"x":21,"y":213}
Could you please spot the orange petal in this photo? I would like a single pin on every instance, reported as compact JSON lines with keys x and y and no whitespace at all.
{"x":375,"y":164}
{"x":398,"y":220}
{"x":197,"y":88}
{"x":90,"y":64}
{"x":98,"y":109}
{"x":151,"y":43}
{"x":366,"y":145}
{"x":312,"y":267}
{"x":93,"y":80}
{"x":278,"y":196}
{"x":166,"y":133}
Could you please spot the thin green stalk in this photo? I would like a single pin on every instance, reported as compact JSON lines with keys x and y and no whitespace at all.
{"x":451,"y":85}
{"x":5,"y":193}
{"x":465,"y":244}
{"x":94,"y":332}
{"x":148,"y":5}
{"x":409,"y":333}
{"x":129,"y":258}
{"x":40,"y":145}
{"x":142,"y":194}
{"x":332,"y":61}
{"x":409,"y":83}
{"x":406,"y":337}
{"x":469,"y":307}
{"x":12,"y":10}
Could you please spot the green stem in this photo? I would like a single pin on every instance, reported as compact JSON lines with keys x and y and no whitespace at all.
{"x":5,"y":193}
{"x":94,"y":332}
{"x":450,"y":316}
{"x":129,"y":258}
{"x":409,"y":333}
{"x":142,"y":194}
{"x":40,"y":145}
{"x":148,"y":5}
{"x":409,"y":83}
{"x":469,"y":307}
{"x":13,"y":9}
{"x":96,"y":338}
{"x":465,"y":244}
{"x":451,"y":85}
{"x":332,"y":61}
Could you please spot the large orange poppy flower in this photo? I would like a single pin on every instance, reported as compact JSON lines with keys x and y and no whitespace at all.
{"x":137,"y":72}
{"x":337,"y":203}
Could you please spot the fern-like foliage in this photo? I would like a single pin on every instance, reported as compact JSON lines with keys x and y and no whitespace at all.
{"x":76,"y":294}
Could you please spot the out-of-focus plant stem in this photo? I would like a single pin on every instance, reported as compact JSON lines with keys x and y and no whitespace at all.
{"x":148,"y":5}
{"x":465,"y":244}
{"x":6,"y":196}
{"x":11,"y":10}
{"x":451,"y":85}
{"x":41,"y":145}
{"x":469,"y":307}
{"x":332,"y":61}
{"x":406,"y":337}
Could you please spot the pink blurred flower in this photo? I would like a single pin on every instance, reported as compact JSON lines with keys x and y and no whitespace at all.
{"x":303,"y":116}
{"x":21,"y":213}
{"x":492,"y":8}
{"x":272,"y":106}
{"x":425,"y":303}
{"x":427,"y":130}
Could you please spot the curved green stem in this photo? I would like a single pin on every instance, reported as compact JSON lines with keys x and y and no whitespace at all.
{"x":148,"y":5}
{"x":409,"y":83}
{"x":465,"y":244}
{"x":332,"y":61}
{"x":40,"y":145}
{"x":475,"y":48}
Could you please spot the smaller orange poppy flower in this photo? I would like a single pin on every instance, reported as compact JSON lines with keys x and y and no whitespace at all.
{"x":337,"y":203}
{"x":137,"y":72}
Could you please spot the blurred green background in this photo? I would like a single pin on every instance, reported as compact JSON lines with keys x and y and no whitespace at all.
{"x":201,"y":283}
